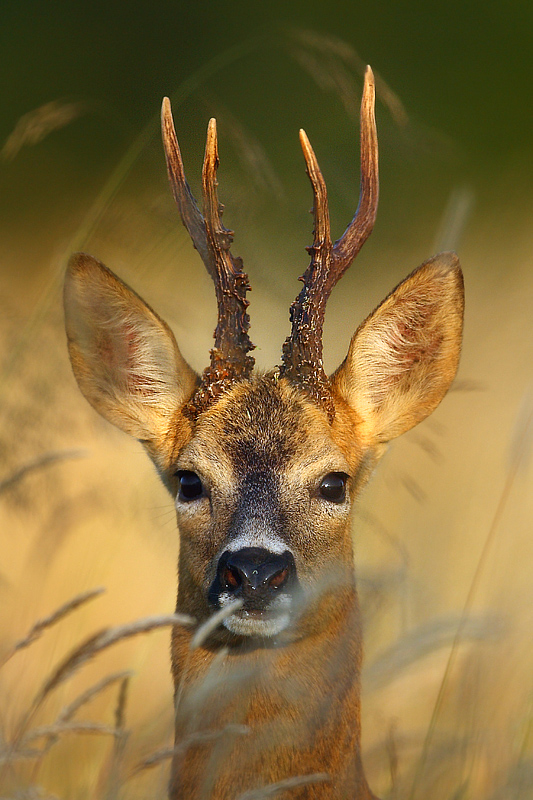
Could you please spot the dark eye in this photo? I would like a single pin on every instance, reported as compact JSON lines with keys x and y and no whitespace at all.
{"x":333,"y":487}
{"x":190,"y":485}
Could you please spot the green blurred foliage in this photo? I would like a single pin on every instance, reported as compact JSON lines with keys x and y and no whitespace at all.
{"x":465,"y":67}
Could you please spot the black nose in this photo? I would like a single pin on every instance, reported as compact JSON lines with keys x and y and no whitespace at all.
{"x":255,"y":574}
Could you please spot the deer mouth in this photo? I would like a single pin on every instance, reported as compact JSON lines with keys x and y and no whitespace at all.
{"x":258,"y":622}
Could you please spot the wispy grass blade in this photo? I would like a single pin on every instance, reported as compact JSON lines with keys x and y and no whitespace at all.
{"x":115,"y":778}
{"x":120,"y":710}
{"x":89,"y":649}
{"x":200,"y":737}
{"x":425,"y":640}
{"x":326,"y":57}
{"x":69,"y":711}
{"x":35,"y":125}
{"x":52,"y":619}
{"x":108,"y":192}
{"x":455,"y":219}
{"x":273,"y":789}
{"x":101,"y":641}
{"x":57,"y":729}
{"x":519,"y":454}
{"x":206,"y":629}
{"x":10,"y":755}
{"x":201,"y":634}
{"x":39,"y":463}
{"x":63,"y":723}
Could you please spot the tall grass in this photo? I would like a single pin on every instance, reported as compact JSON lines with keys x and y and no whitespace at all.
{"x":442,"y":536}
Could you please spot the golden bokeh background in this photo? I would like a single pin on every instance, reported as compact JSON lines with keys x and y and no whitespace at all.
{"x":442,"y":535}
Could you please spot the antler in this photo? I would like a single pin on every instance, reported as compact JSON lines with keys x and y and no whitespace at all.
{"x":302,"y":350}
{"x":230,"y":361}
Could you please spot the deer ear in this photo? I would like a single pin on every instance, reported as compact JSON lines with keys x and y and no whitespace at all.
{"x":124,"y":357}
{"x":404,"y":356}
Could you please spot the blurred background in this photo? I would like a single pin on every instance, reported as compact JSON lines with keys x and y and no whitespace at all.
{"x":442,"y":535}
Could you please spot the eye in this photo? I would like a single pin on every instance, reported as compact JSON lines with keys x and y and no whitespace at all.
{"x":190,"y":485}
{"x":333,"y":487}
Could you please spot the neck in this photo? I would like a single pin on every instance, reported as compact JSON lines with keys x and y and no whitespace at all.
{"x":247,"y":717}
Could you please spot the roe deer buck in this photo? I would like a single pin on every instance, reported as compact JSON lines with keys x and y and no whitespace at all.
{"x":265,"y":470}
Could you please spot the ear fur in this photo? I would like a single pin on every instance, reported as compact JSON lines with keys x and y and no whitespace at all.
{"x":403,"y":358}
{"x":124,"y":357}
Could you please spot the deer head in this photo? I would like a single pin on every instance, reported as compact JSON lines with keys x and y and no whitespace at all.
{"x":264,"y":469}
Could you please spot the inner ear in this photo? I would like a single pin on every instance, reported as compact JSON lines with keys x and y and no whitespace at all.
{"x":403,"y":358}
{"x":124,"y":357}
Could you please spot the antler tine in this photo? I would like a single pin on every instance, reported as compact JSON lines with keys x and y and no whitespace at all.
{"x":218,"y":237}
{"x":230,"y":361}
{"x":360,"y":228}
{"x":302,"y":350}
{"x":321,"y":247}
{"x":188,"y":208}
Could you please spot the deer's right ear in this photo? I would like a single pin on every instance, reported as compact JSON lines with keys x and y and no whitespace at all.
{"x":124,"y":357}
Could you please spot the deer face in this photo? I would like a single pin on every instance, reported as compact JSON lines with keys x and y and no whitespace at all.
{"x":263,"y":499}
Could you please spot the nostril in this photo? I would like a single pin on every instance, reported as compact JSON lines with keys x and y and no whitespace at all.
{"x":279,"y":579}
{"x":232,"y":578}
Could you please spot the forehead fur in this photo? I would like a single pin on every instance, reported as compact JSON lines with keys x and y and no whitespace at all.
{"x":260,"y":423}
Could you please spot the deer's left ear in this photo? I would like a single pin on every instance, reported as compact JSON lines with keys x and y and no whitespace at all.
{"x":404,"y":356}
{"x":124,"y":357}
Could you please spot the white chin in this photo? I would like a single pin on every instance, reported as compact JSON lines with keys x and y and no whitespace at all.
{"x":244,"y":624}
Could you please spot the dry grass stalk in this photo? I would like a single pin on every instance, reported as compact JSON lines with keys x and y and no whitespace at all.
{"x":34,"y":126}
{"x":68,"y":712}
{"x":202,"y":633}
{"x":392,"y":753}
{"x":186,"y":710}
{"x":122,"y":169}
{"x":120,"y":710}
{"x":9,"y":755}
{"x":101,"y":641}
{"x":281,"y":786}
{"x":19,"y":748}
{"x":114,"y":778}
{"x":53,"y":618}
{"x":57,"y":729}
{"x":37,"y":464}
{"x":325,"y":58}
{"x":205,"y":630}
{"x":419,"y":643}
{"x":455,"y":218}
{"x":160,"y":756}
{"x":520,"y":450}
{"x":31,"y":793}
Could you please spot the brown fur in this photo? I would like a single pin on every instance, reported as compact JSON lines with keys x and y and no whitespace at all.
{"x":261,"y":452}
{"x":300,"y":698}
